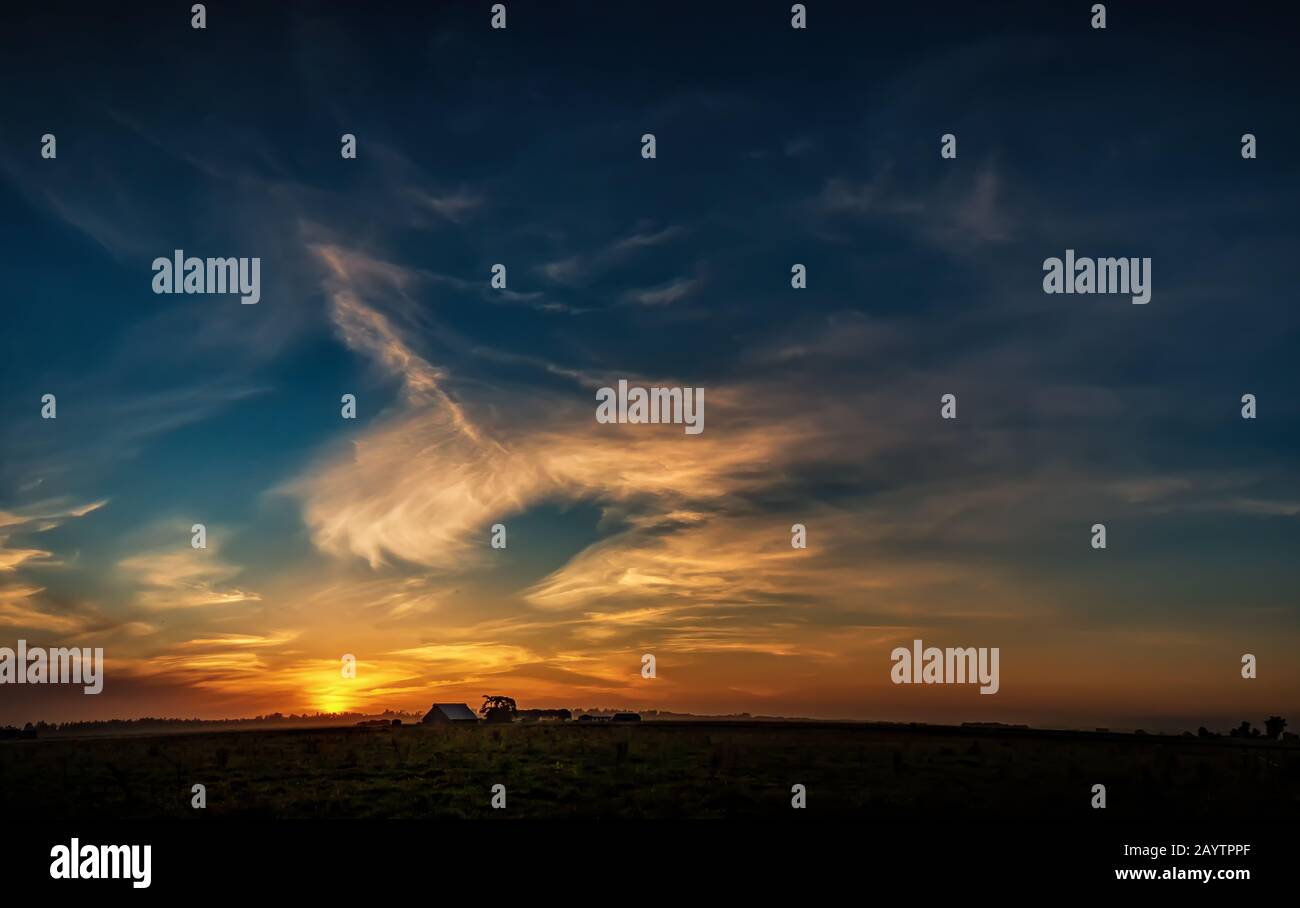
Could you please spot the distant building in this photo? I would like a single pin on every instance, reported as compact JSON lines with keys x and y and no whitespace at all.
{"x":543,"y":715}
{"x":450,"y":714}
{"x":626,"y":717}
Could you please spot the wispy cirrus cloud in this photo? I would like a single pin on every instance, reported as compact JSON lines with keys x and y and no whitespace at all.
{"x":183,"y":578}
{"x":23,"y":603}
{"x":663,"y":295}
{"x":584,"y":266}
{"x":19,"y":608}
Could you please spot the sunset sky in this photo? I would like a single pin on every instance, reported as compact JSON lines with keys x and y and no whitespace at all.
{"x":476,"y":406}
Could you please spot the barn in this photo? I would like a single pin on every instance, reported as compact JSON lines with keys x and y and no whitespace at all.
{"x":450,"y":714}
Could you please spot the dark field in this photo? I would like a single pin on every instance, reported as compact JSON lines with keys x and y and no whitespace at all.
{"x":653,"y":770}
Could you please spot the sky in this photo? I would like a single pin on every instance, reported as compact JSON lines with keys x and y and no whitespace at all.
{"x":475,"y":405}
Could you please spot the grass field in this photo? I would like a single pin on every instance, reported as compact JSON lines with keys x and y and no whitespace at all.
{"x":664,"y":769}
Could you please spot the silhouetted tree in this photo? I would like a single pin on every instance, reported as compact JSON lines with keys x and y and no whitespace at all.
{"x":1274,"y":726}
{"x":497,"y":709}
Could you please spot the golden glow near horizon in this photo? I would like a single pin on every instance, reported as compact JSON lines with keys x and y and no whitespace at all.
{"x":691,"y":560}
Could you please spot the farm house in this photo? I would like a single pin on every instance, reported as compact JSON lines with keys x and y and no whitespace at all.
{"x":450,"y":714}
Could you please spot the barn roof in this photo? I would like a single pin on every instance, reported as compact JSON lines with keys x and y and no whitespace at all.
{"x":455,"y":712}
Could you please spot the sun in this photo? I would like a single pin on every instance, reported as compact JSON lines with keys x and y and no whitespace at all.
{"x":331,"y":703}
